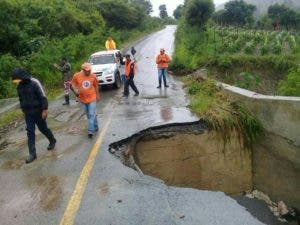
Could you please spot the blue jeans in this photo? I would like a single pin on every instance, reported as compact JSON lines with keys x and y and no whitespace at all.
{"x":90,"y":111}
{"x":162,"y":75}
{"x":123,"y":78}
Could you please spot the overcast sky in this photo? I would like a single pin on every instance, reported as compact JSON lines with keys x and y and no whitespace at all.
{"x":172,"y":4}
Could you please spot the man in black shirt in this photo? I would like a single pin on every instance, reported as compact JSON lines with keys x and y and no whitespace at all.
{"x":34,"y":105}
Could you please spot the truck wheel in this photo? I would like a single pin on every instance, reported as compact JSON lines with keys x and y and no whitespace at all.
{"x":118,"y":82}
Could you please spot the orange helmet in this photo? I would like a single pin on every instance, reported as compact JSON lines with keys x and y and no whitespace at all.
{"x":86,"y":67}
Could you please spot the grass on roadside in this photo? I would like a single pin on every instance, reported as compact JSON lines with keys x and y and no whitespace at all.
{"x":15,"y":115}
{"x":10,"y":117}
{"x":54,"y":93}
{"x":222,"y":113}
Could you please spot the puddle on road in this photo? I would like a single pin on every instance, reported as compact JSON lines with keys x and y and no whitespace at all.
{"x":166,"y":113}
{"x":154,"y":96}
{"x":76,"y":130}
{"x":12,"y":164}
{"x":104,"y":189}
{"x":49,"y":192}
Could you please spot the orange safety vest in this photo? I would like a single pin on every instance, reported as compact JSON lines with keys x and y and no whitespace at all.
{"x":128,"y":67}
{"x":162,"y":60}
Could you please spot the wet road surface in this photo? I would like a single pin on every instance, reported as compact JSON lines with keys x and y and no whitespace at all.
{"x":80,"y":182}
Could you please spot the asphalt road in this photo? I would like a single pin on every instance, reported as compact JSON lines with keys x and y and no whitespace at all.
{"x":80,"y":182}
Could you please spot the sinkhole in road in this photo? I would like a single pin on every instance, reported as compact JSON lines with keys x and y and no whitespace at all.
{"x":189,"y":155}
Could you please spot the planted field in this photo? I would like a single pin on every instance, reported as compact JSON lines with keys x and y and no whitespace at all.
{"x":256,"y":42}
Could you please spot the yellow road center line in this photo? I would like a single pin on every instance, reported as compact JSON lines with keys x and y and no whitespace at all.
{"x":74,"y":203}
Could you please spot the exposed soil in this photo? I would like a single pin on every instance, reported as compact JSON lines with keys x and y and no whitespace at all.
{"x":190,"y":156}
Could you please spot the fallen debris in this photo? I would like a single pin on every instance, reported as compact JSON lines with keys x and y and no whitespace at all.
{"x":280,"y":209}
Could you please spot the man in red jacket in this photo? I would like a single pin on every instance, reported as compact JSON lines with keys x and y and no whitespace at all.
{"x":162,"y":61}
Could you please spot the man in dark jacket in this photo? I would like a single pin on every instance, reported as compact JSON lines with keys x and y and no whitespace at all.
{"x":34,"y":105}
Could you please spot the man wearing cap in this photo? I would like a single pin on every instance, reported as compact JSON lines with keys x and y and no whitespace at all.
{"x":162,"y":61}
{"x":129,"y":75}
{"x":85,"y":86}
{"x":65,"y":68}
{"x":34,"y":105}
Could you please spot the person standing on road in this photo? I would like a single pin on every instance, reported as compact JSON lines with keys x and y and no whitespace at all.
{"x":65,"y":68}
{"x":133,"y":51}
{"x":110,"y":44}
{"x":129,"y":71}
{"x":34,"y":105}
{"x":87,"y":91}
{"x":129,"y":75}
{"x":162,"y":61}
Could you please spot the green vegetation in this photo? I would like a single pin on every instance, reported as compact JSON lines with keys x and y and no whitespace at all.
{"x":45,"y":30}
{"x":291,"y":86}
{"x":254,"y":42}
{"x":10,"y":117}
{"x":198,"y":12}
{"x":221,"y":112}
{"x":255,"y":59}
{"x":236,"y":12}
{"x":276,"y":16}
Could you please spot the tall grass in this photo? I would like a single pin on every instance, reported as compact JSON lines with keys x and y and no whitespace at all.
{"x":222,"y":113}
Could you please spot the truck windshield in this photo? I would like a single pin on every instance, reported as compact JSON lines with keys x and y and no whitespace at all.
{"x":102,"y":59}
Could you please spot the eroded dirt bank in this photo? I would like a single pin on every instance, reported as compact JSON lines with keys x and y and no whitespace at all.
{"x":192,"y":155}
{"x":189,"y":155}
{"x":276,"y":169}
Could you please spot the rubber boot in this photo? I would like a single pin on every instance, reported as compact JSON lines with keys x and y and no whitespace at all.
{"x":32,"y":154}
{"x":67,"y":100}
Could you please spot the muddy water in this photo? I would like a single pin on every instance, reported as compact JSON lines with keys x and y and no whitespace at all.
{"x":50,"y":192}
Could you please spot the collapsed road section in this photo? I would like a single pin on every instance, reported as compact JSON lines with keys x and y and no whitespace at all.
{"x":193,"y":155}
{"x":189,"y":155}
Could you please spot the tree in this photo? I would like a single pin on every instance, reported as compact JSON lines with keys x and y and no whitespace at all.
{"x":163,"y":11}
{"x":265,"y":23}
{"x":121,"y":15}
{"x":198,"y":12}
{"x":178,"y":12}
{"x":144,"y":5}
{"x":239,"y":13}
{"x":220,"y":17}
{"x":282,"y":15}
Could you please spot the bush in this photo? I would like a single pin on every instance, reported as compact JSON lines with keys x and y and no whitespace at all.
{"x":250,"y":47}
{"x":7,"y":64}
{"x":224,"y":63}
{"x":291,"y":86}
{"x":248,"y":81}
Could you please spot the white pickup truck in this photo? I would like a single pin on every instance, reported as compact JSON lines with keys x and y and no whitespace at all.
{"x":106,"y":65}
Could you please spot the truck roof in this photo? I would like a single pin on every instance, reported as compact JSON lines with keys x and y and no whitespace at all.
{"x":108,"y":52}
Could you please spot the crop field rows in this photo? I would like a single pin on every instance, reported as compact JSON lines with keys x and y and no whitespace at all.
{"x":256,"y":42}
